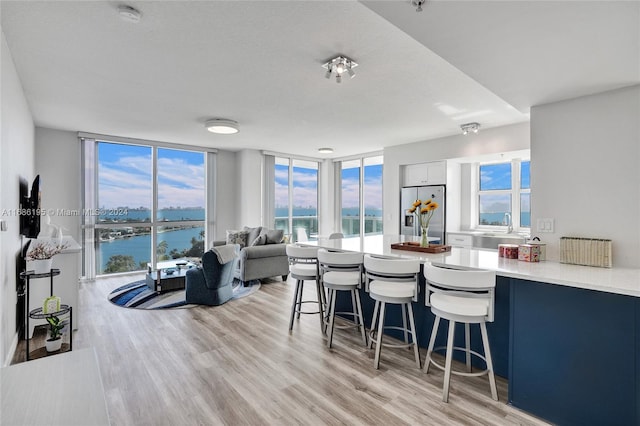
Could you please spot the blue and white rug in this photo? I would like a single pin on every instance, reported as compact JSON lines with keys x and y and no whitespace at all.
{"x":138,"y":295}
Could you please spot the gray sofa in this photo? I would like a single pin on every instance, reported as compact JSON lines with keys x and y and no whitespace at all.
{"x":263,"y":253}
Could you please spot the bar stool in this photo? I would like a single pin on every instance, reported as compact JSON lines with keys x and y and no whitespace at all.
{"x":464,"y":296}
{"x":342,"y":271}
{"x":303,"y":266}
{"x":392,"y":280}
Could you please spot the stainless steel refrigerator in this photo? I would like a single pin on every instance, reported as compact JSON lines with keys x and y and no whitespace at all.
{"x":409,"y":224}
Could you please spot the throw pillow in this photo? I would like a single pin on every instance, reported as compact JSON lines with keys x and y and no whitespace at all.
{"x":260,"y":240}
{"x":253,"y":233}
{"x":274,"y":236}
{"x":237,"y":237}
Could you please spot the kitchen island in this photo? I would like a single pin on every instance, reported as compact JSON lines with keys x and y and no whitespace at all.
{"x":566,"y":337}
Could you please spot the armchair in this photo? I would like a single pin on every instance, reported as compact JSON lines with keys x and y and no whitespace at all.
{"x":212,"y":283}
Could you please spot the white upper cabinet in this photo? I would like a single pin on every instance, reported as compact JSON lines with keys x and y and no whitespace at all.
{"x":433,"y":173}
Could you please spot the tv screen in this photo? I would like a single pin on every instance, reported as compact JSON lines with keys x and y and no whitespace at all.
{"x":30,"y":208}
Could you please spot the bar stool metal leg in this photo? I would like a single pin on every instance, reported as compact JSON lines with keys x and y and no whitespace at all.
{"x":361,"y":316}
{"x":376,"y":361}
{"x":295,"y":305}
{"x":487,"y":355}
{"x":412,"y":323}
{"x":432,"y":341}
{"x":376,"y":308}
{"x":447,"y":368}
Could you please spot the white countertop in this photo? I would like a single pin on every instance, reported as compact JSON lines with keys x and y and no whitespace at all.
{"x":625,"y":281}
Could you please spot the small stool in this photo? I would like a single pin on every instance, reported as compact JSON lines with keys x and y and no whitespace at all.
{"x":464,"y":296}
{"x":342,"y":271}
{"x":392,"y":280}
{"x":303,"y":266}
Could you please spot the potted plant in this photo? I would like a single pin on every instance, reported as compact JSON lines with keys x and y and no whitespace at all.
{"x":54,"y":342}
{"x":40,"y":254}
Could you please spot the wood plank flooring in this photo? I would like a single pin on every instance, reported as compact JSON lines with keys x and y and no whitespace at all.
{"x":237,"y":364}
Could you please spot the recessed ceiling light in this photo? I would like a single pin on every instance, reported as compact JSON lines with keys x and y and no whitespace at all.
{"x":129,"y":14}
{"x":325,"y":150}
{"x":222,"y":126}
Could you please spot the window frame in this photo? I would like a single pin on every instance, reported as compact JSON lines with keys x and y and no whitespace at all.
{"x":297,"y":162}
{"x":515,"y":192}
{"x":90,"y":224}
{"x":363,"y":161}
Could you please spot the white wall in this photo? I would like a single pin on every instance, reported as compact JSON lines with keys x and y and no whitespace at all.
{"x":16,"y":160}
{"x":488,"y":141}
{"x":58,"y":162}
{"x":585,"y":162}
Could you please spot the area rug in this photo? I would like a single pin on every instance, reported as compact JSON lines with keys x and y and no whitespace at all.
{"x":138,"y":295}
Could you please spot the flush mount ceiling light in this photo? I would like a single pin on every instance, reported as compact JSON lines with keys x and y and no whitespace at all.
{"x":222,"y":126}
{"x":418,"y":4}
{"x":338,"y":66}
{"x":325,"y":150}
{"x":470,"y":127}
{"x":129,"y":14}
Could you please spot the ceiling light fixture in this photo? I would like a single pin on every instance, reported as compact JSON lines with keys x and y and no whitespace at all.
{"x":222,"y":126}
{"x":418,"y":4}
{"x":129,"y":14}
{"x":325,"y":150}
{"x":338,"y":66}
{"x":470,"y":127}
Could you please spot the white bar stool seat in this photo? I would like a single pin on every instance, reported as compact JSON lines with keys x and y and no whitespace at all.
{"x":464,"y":296}
{"x":342,"y":271}
{"x":303,"y":266}
{"x":395,"y":281}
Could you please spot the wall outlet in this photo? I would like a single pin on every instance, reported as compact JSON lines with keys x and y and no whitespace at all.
{"x":3,"y":225}
{"x":545,"y":225}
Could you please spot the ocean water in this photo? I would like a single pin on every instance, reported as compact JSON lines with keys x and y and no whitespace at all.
{"x":125,"y":214}
{"x":139,"y":246}
{"x":498,"y":218}
{"x":302,"y":212}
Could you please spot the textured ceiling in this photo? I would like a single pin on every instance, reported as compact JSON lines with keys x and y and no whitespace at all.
{"x":421,"y":75}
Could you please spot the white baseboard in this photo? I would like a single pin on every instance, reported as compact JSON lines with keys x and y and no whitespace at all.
{"x":12,"y":351}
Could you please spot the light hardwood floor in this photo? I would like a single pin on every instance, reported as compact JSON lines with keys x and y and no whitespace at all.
{"x":237,"y":364}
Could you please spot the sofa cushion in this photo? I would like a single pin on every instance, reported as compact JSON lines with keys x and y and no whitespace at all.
{"x":253,"y":234}
{"x":259,"y":241}
{"x":237,"y":237}
{"x":274,"y":236}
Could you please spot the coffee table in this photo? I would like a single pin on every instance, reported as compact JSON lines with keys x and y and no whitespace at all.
{"x":169,"y":275}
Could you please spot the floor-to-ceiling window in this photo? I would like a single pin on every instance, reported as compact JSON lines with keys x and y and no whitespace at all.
{"x":296,"y":197}
{"x":361,"y":196}
{"x":148,"y":202}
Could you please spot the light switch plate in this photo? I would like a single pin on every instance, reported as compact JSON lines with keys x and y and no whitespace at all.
{"x":545,"y":225}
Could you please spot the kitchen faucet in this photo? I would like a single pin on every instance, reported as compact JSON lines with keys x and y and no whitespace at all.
{"x":509,"y":223}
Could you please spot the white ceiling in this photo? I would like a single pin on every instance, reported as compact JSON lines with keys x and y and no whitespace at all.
{"x":420,"y":76}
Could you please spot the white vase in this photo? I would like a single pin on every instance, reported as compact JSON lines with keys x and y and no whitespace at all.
{"x":39,"y":266}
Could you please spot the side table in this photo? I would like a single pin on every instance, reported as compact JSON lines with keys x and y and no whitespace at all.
{"x":38,"y":312}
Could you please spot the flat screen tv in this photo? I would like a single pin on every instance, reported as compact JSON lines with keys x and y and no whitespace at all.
{"x":30,"y":208}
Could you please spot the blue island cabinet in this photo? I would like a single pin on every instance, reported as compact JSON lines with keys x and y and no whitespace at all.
{"x":574,"y":354}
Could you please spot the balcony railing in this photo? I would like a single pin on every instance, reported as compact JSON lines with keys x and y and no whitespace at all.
{"x":350,"y":225}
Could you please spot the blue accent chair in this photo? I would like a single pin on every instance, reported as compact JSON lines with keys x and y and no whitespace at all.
{"x":212,"y":283}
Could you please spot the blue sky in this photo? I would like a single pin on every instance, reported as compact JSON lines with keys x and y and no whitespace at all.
{"x":125,"y":178}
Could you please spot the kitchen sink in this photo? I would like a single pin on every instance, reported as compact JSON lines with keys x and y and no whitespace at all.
{"x":491,"y":240}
